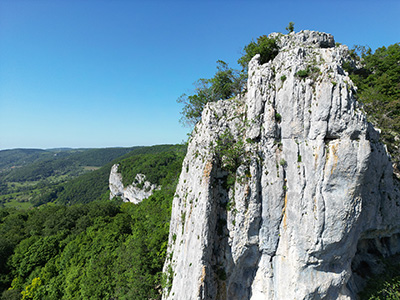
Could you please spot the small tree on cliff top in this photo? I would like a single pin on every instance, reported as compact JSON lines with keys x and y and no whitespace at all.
{"x":227,"y":82}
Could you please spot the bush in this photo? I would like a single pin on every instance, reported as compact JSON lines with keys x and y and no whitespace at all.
{"x":379,"y":90}
{"x":303,"y":73}
{"x":266,"y":47}
{"x":229,"y":151}
{"x":283,"y":162}
{"x":310,"y":70}
{"x":225,"y":84}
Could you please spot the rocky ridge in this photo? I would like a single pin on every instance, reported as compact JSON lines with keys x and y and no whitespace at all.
{"x":139,"y":190}
{"x":286,"y":191}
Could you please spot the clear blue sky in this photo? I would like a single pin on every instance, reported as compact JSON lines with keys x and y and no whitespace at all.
{"x":107,"y":73}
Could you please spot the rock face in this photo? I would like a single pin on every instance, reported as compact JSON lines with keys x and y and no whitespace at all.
{"x":286,"y":191}
{"x":139,"y":190}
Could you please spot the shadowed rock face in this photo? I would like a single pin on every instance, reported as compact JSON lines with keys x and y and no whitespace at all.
{"x":313,"y":190}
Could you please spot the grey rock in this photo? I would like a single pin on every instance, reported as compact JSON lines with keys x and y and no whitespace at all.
{"x":313,"y":190}
{"x":139,"y":190}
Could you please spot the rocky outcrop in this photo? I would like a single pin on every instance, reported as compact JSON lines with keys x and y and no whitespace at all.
{"x":285,"y":191}
{"x":139,"y":190}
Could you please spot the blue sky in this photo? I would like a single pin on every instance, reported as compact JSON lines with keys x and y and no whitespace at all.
{"x":107,"y":73}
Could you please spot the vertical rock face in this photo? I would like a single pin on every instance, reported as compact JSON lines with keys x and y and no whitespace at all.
{"x":139,"y":190}
{"x":284,"y":190}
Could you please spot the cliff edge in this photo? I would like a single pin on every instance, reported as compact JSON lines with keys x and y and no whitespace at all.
{"x":286,"y":191}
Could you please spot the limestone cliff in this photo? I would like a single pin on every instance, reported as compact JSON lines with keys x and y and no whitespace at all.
{"x":286,"y":191}
{"x":136,"y":192}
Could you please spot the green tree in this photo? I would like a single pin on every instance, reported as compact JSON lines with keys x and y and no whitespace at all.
{"x":226,"y":83}
{"x":290,"y":27}
{"x":30,"y":290}
{"x":265,"y":46}
{"x":379,"y":90}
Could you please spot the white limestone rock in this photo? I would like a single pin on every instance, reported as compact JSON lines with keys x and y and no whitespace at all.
{"x":139,"y":190}
{"x":313,"y":194}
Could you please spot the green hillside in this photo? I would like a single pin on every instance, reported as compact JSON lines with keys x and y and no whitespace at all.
{"x":97,"y":250}
{"x":28,"y":175}
{"x":31,"y":165}
{"x":20,"y":157}
{"x":157,"y":162}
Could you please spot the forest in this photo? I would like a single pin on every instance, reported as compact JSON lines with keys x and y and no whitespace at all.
{"x":61,"y":237}
{"x":81,"y":245}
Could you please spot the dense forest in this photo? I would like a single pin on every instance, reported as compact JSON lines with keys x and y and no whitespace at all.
{"x":91,"y":248}
{"x":61,"y":237}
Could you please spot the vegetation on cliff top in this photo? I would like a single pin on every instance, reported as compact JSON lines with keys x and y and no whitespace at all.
{"x":378,"y":83}
{"x":227,"y":82}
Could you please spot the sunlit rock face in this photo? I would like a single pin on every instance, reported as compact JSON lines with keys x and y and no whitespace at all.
{"x":139,"y":190}
{"x":311,"y":195}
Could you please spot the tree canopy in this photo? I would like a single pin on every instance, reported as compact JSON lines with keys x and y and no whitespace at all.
{"x":99,"y":250}
{"x":227,"y":82}
{"x":265,"y":46}
{"x":378,"y":83}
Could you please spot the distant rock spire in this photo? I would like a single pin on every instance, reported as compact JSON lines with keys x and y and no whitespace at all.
{"x":136,"y":192}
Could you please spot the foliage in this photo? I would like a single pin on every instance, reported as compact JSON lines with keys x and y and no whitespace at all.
{"x":19,"y":157}
{"x":85,"y":188}
{"x":99,"y":250}
{"x":154,"y":167}
{"x":31,"y":290}
{"x":230,"y":151}
{"x":91,"y":186}
{"x":303,"y":73}
{"x":309,"y":71}
{"x":290,"y":27}
{"x":379,"y":90}
{"x":283,"y":162}
{"x":226,"y":83}
{"x":266,"y":47}
{"x":45,"y":163}
{"x":384,"y":286}
{"x":41,"y":176}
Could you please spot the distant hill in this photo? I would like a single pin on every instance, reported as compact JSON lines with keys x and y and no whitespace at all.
{"x":146,"y":160}
{"x":27,"y":175}
{"x":69,"y":176}
{"x":22,"y":165}
{"x":20,"y":157}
